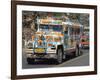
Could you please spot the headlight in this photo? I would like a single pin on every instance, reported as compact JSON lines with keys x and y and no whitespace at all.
{"x":53,"y":47}
{"x":36,"y":45}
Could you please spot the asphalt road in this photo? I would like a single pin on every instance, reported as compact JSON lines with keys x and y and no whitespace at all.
{"x":82,"y":60}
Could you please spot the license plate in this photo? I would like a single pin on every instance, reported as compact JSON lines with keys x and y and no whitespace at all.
{"x":39,"y":50}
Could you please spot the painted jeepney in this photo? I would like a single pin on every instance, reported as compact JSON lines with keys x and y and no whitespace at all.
{"x":55,"y":39}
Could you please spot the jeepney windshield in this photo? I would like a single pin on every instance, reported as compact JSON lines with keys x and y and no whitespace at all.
{"x":55,"y":28}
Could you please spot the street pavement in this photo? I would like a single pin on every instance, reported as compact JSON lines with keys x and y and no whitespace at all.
{"x":82,"y":60}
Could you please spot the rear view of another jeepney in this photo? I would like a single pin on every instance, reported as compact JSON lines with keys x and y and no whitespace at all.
{"x":84,"y":41}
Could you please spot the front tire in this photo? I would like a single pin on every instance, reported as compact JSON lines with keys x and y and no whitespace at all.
{"x":30,"y":60}
{"x":59,"y":56}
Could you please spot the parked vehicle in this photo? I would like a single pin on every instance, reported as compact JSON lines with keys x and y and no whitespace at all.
{"x":84,"y":41}
{"x":55,"y":39}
